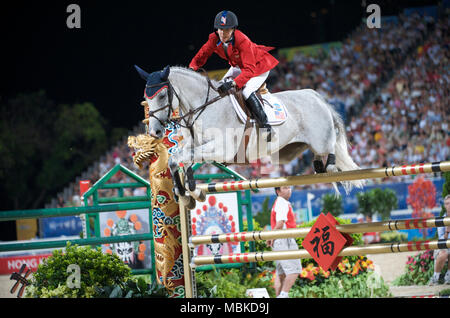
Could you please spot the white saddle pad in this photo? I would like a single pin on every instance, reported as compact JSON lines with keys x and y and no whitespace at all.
{"x":274,"y":109}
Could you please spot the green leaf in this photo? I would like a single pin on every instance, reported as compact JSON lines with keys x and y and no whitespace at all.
{"x":116,"y":293}
{"x":141,"y":285}
{"x":129,"y":294}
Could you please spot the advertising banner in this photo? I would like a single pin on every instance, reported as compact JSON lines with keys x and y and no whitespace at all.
{"x":137,"y":255}
{"x":11,"y":264}
{"x":218,"y":214}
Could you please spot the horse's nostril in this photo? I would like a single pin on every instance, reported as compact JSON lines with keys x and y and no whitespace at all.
{"x":158,"y":132}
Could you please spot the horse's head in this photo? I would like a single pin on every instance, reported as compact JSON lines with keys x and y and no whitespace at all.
{"x":158,"y":94}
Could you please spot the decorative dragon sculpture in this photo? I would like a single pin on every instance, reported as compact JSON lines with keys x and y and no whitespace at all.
{"x":165,"y":210}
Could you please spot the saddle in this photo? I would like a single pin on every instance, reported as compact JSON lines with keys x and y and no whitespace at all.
{"x":275,"y":110}
{"x":241,"y":100}
{"x":272,"y":106}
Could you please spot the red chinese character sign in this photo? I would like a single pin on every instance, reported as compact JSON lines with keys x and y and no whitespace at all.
{"x":349,"y":240}
{"x":324,"y":242}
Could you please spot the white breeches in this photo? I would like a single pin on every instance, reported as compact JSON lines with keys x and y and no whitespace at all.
{"x":252,"y":85}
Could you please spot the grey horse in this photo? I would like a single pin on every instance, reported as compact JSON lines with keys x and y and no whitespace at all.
{"x":212,"y":131}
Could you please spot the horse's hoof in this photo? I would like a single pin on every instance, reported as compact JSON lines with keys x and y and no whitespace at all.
{"x":192,"y":203}
{"x":198,"y":195}
{"x":188,"y":202}
{"x":318,"y":166}
{"x":332,"y":168}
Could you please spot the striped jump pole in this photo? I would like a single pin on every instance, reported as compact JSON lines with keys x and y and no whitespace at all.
{"x":391,"y":225}
{"x":190,"y":262}
{"x":326,"y":177}
{"x":302,"y":253}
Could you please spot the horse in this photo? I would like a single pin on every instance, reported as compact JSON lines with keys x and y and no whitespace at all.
{"x":212,"y":131}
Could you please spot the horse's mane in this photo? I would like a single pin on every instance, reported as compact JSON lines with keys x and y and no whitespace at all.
{"x":191,"y":73}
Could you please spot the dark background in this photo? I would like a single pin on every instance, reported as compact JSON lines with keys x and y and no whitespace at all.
{"x":95,"y":63}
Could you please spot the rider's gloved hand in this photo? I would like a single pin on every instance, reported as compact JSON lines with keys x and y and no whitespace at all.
{"x":225,"y":87}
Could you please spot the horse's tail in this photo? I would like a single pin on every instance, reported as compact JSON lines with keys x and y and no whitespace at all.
{"x":343,"y":160}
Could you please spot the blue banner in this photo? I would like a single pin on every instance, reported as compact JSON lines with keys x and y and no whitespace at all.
{"x":58,"y":226}
{"x":350,"y":202}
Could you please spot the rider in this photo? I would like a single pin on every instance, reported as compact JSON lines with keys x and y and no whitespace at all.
{"x":250,"y":63}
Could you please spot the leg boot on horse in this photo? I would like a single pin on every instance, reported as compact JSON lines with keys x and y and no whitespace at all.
{"x":197,"y":194}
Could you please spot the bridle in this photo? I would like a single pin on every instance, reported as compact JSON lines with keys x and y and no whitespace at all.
{"x":171,"y":92}
{"x":190,"y":117}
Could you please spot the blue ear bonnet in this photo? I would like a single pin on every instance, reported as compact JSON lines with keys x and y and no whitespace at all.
{"x":152,"y":88}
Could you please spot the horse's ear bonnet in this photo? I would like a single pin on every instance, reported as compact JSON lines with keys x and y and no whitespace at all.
{"x":165,"y":73}
{"x":152,"y":88}
{"x":141,"y":72}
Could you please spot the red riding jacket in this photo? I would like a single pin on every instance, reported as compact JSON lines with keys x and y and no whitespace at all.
{"x":252,"y":59}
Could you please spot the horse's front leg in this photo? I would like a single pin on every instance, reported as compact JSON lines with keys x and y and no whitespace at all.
{"x":174,"y":165}
{"x":178,"y":175}
{"x":180,"y":165}
{"x":187,"y":156}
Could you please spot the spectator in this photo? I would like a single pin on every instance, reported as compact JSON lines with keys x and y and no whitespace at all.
{"x":443,"y":255}
{"x":282,"y":217}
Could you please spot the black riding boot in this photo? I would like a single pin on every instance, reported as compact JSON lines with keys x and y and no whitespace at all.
{"x":257,"y":110}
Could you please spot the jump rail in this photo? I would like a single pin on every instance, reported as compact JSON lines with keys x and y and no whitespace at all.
{"x":347,"y":251}
{"x":391,"y":225}
{"x":190,"y":262}
{"x":326,"y":177}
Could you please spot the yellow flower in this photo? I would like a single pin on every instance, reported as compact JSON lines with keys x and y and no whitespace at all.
{"x":262,"y":274}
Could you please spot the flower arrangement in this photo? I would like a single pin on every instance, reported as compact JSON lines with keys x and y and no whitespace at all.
{"x":347,"y":266}
{"x":353,"y":277}
{"x":418,"y":269}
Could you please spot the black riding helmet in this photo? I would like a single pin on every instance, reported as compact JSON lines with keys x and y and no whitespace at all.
{"x":225,"y":20}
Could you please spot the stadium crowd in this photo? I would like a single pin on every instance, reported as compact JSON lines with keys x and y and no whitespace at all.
{"x":393,"y":83}
{"x":408,"y":121}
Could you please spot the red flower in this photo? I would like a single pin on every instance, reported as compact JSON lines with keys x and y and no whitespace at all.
{"x":310,"y":276}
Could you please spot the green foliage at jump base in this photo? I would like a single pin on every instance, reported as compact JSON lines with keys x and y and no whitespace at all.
{"x":233,"y":283}
{"x":101,"y":275}
{"x":363,"y":285}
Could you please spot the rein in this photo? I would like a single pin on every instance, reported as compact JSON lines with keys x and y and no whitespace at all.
{"x":201,"y":108}
{"x":190,"y":114}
